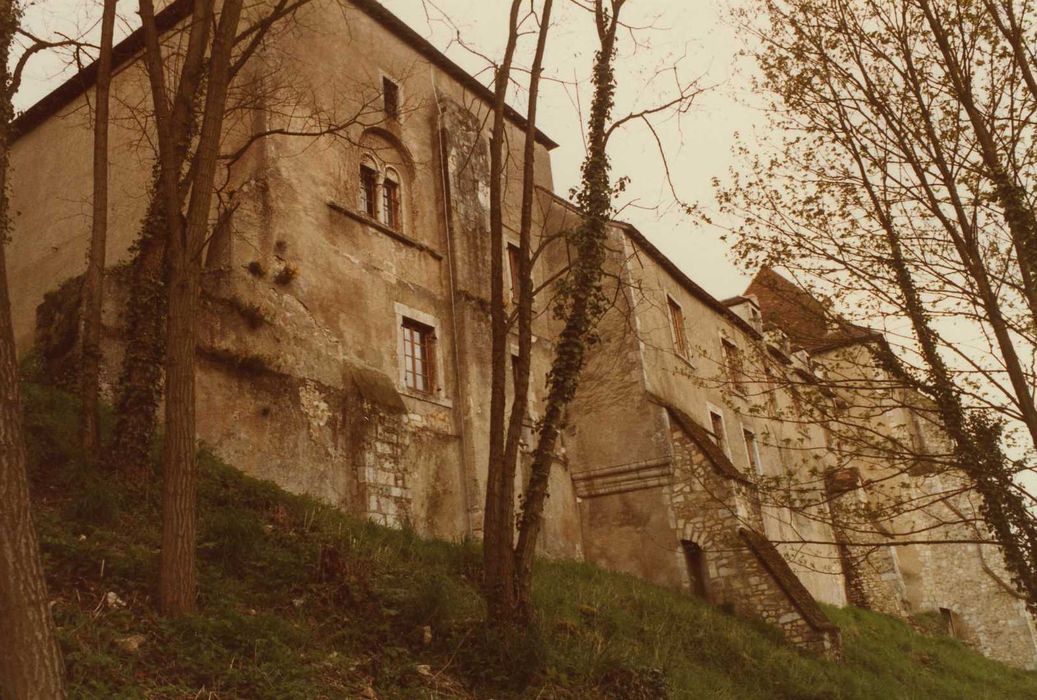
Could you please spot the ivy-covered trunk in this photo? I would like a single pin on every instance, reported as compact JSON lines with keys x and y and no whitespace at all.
{"x":140,"y":381}
{"x":581,"y":303}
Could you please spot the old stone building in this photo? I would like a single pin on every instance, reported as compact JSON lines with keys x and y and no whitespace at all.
{"x":344,"y":342}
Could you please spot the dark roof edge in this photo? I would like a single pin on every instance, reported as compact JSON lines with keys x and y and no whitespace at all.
{"x":863,"y":339}
{"x":671,"y":267}
{"x":122,"y":54}
{"x":685,"y":281}
{"x":127,"y":49}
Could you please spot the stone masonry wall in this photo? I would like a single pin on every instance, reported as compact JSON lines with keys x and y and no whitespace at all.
{"x":873,"y":578}
{"x":720,"y":515}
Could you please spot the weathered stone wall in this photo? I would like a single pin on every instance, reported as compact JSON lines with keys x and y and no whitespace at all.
{"x":722,"y":516}
{"x":873,"y":578}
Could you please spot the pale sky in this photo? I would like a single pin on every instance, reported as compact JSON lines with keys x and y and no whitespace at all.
{"x":688,"y":33}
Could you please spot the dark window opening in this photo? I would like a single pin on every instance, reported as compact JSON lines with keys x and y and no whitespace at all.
{"x":391,"y":203}
{"x":949,"y":619}
{"x":698,"y":574}
{"x":733,"y":362}
{"x":680,"y":344}
{"x":717,"y":424}
{"x":391,"y":98}
{"x":368,"y":186}
{"x":418,"y":356}
{"x":514,"y":265}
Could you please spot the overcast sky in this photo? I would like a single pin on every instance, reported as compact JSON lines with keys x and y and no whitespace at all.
{"x":689,"y":34}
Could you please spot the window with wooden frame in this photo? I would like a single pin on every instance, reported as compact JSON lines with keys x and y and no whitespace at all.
{"x":680,"y":343}
{"x":716,"y":424}
{"x":368,"y":189}
{"x":418,"y":356}
{"x":391,"y":200}
{"x":752,"y":449}
{"x":515,"y":269}
{"x":391,"y":98}
{"x":733,"y":365}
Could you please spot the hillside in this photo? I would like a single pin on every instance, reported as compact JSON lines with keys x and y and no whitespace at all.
{"x":301,"y":601}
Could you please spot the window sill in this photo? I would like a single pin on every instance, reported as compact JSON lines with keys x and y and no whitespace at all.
{"x":382,"y":228}
{"x":441,"y":401}
{"x":685,"y":360}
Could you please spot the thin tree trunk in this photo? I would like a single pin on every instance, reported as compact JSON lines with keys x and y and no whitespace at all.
{"x":30,"y":659}
{"x":498,"y":527}
{"x":93,"y":279}
{"x":588,"y":244}
{"x":177,"y":574}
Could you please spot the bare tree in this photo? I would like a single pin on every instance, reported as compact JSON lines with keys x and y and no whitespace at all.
{"x":900,"y":188}
{"x":186,"y":239}
{"x":93,"y":280}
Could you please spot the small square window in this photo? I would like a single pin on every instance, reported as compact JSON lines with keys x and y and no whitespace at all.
{"x":418,"y":356}
{"x":391,"y":98}
{"x":680,"y":343}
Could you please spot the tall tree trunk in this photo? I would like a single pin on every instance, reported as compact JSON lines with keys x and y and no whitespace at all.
{"x":93,"y":280}
{"x":178,"y":578}
{"x":584,"y":306}
{"x":30,"y":662}
{"x":177,"y":575}
{"x":498,"y":527}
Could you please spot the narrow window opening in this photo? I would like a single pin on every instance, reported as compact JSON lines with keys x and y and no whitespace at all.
{"x":752,"y":448}
{"x":680,"y":343}
{"x":391,"y":203}
{"x":733,"y":363}
{"x":948,"y":620}
{"x":717,"y":424}
{"x":418,"y":356}
{"x":368,"y":186}
{"x":391,"y":98}
{"x":515,"y":268}
{"x":698,"y":575}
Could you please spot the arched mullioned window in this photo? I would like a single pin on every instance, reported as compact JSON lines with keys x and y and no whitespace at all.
{"x":380,"y":189}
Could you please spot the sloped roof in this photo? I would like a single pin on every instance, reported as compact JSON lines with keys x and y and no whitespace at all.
{"x":807,"y":321}
{"x":776,"y":566}
{"x":126,"y":51}
{"x":704,"y":441}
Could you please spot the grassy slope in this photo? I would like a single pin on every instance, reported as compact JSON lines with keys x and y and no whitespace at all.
{"x":276,"y":623}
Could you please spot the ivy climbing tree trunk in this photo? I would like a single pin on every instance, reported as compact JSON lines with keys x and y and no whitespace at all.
{"x":507,"y":565}
{"x":93,"y":280}
{"x":140,"y":381}
{"x":30,"y":659}
{"x":581,"y":302}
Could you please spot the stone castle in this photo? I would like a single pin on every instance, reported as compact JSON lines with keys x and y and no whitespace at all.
{"x":344,"y":347}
